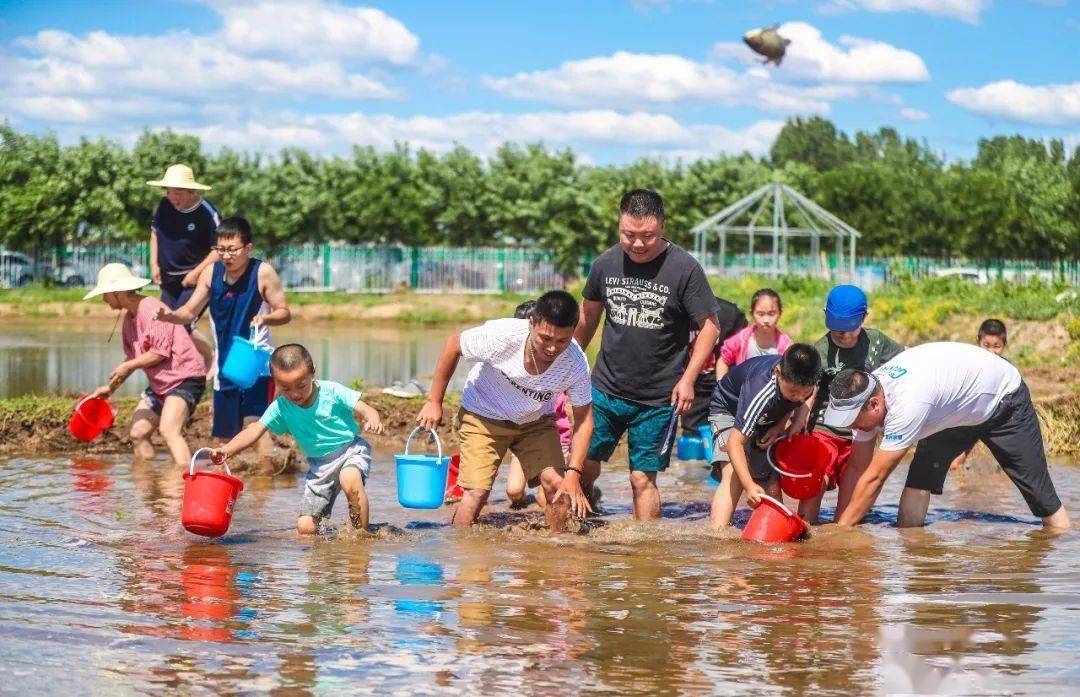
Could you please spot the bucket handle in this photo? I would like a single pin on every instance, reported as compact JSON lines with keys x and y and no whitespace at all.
{"x":260,"y":336}
{"x":438,"y":442}
{"x":772,"y":463}
{"x":194,"y":455}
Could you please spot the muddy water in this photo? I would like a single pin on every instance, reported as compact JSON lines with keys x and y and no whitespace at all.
{"x":102,"y":591}
{"x":65,"y":356}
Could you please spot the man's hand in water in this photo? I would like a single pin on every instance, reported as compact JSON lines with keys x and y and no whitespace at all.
{"x":219,"y":457}
{"x":570,"y":486}
{"x":753,"y":494}
{"x":430,"y":416}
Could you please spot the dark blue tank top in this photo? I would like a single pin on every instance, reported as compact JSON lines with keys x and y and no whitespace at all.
{"x":232,"y":307}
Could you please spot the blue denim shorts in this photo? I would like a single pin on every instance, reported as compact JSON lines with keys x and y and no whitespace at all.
{"x":644,"y":424}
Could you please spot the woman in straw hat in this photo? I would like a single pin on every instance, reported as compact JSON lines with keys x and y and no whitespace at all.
{"x":165,"y":352}
{"x":181,"y":241}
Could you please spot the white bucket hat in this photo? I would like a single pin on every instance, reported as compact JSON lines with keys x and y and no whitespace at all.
{"x":114,"y":278}
{"x":180,"y":177}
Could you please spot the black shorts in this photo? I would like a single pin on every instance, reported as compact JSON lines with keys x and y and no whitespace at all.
{"x":1013,"y":436}
{"x":190,"y":390}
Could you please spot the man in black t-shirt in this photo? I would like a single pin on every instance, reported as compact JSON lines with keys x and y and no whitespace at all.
{"x":654,"y":293}
{"x":182,"y":234}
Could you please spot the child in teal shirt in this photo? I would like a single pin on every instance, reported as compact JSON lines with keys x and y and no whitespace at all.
{"x":325,"y":418}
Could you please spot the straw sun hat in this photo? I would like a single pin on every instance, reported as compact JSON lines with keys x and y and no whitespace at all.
{"x":114,"y":278}
{"x":180,"y":177}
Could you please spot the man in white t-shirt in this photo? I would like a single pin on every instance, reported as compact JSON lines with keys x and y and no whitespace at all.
{"x":508,"y":403}
{"x":944,"y":397}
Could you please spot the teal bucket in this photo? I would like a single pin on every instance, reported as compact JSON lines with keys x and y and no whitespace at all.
{"x":421,"y":479}
{"x":247,"y":361}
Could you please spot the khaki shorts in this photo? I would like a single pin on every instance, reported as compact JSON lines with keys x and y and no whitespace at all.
{"x":484,"y":443}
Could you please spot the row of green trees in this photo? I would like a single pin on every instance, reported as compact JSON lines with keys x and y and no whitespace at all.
{"x":1018,"y":198}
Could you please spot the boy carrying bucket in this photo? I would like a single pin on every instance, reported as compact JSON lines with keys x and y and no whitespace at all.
{"x":508,"y":403}
{"x":750,"y":409}
{"x":325,"y":418}
{"x":173,"y":366}
{"x":244,"y":293}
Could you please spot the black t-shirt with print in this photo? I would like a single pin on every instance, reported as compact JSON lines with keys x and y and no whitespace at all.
{"x":651,"y":309}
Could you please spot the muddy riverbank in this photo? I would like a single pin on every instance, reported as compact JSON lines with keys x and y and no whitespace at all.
{"x":40,"y":424}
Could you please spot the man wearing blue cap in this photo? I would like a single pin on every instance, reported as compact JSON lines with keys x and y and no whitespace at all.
{"x":847,"y":344}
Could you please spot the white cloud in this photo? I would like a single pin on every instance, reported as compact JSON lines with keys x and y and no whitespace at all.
{"x":811,"y":57}
{"x":964,"y":10}
{"x":1051,"y":105}
{"x":312,"y":28}
{"x":276,"y":48}
{"x":910,"y":114}
{"x":631,"y":79}
{"x":636,"y":133}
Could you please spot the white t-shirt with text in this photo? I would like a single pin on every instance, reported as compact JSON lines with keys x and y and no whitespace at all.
{"x":499,"y":387}
{"x":936,"y":386}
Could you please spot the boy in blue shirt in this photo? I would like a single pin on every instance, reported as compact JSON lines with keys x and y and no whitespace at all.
{"x":325,"y":418}
{"x":750,"y":409}
{"x":243,"y":293}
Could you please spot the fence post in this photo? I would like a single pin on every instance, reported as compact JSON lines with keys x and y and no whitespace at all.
{"x":414,"y":267}
{"x":502,"y":269}
{"x":326,"y":275}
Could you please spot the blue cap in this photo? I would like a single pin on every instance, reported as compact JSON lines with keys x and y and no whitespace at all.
{"x":845,"y":308}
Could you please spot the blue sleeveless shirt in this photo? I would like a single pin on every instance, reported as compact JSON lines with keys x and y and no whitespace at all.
{"x":232,"y":307}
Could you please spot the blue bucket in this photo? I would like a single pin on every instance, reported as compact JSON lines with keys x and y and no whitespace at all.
{"x":691,"y":448}
{"x":421,"y":479}
{"x":247,"y":361}
{"x":706,"y":441}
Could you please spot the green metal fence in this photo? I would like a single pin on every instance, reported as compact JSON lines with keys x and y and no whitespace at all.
{"x":379,"y":269}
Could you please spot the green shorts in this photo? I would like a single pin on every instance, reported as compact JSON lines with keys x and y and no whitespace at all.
{"x":644,"y":425}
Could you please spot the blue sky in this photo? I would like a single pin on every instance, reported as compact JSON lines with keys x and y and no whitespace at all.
{"x":614,"y":79}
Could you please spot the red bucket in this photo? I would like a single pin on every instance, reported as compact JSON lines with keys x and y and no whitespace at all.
{"x":802,"y":461}
{"x":92,"y":416}
{"x":453,"y":491}
{"x":772,"y":521}
{"x":208,"y":500}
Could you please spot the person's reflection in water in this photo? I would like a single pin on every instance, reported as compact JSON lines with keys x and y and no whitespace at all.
{"x":817,"y":621}
{"x":327,"y":612}
{"x":972,"y":600}
{"x":161,"y":489}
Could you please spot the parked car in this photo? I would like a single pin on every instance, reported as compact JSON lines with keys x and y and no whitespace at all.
{"x":16,"y":270}
{"x":966,"y":273}
{"x":81,"y":272}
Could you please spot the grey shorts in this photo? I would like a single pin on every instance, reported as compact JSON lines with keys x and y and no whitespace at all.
{"x":760,"y":469}
{"x":321,"y":485}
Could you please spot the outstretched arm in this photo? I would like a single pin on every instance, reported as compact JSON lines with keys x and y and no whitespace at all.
{"x":240,"y":442}
{"x":869,"y":485}
{"x":579,"y":448}
{"x":195,"y":304}
{"x":431,"y":415}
